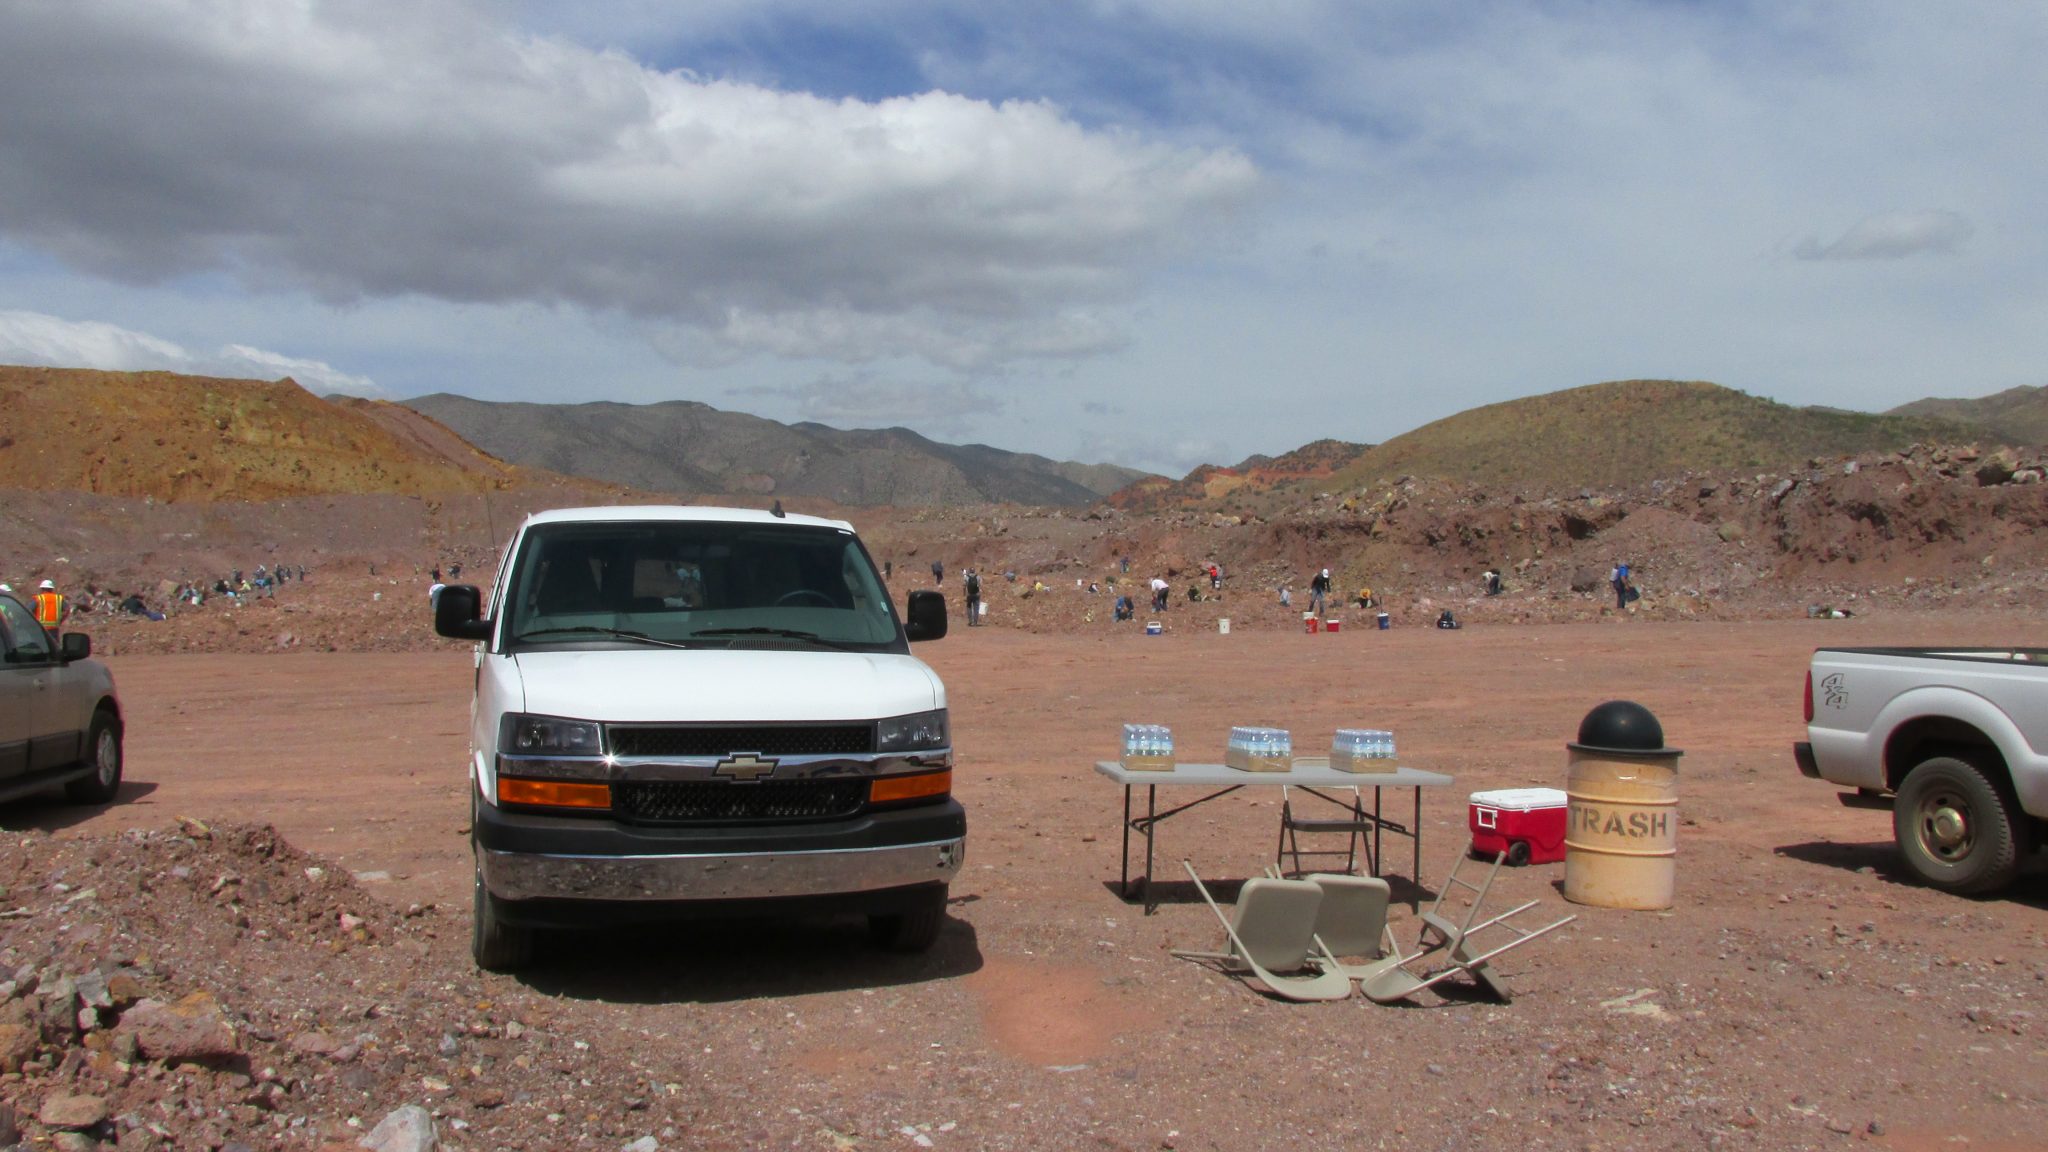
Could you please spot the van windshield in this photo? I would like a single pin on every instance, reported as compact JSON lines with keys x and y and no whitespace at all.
{"x":695,"y":583}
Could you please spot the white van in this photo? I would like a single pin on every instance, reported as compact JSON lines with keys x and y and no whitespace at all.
{"x":687,"y":710}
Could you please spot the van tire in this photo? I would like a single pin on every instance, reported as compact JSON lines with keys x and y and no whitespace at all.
{"x":915,"y":929}
{"x":103,"y":754}
{"x":497,"y":946}
{"x":1956,"y":827}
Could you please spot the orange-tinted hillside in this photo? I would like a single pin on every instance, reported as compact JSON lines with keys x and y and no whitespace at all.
{"x":173,"y":437}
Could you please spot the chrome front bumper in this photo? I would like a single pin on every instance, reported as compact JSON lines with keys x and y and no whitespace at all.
{"x":741,"y":876}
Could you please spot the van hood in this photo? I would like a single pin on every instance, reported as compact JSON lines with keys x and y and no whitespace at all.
{"x":719,"y":686}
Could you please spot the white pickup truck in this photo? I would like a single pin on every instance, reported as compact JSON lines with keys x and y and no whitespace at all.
{"x":1950,"y":739}
{"x":685,"y":710}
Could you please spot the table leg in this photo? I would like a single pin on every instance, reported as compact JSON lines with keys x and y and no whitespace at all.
{"x":1123,"y":887}
{"x":1415,"y":838}
{"x":1151,"y":823}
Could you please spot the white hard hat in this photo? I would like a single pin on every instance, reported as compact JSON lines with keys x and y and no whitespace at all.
{"x":48,"y":586}
{"x":6,"y":587}
{"x":1326,"y":571}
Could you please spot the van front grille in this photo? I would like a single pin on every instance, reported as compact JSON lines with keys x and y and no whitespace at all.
{"x":762,"y":739}
{"x":719,"y":802}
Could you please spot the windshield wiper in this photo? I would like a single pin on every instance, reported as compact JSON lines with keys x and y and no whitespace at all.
{"x":594,"y":630}
{"x":783,"y":633}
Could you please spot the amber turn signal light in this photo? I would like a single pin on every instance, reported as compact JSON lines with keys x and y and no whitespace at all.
{"x":894,"y":789}
{"x":554,"y":793}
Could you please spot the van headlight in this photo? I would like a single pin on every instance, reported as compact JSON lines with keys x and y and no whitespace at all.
{"x":917,"y":732}
{"x":552,"y":736}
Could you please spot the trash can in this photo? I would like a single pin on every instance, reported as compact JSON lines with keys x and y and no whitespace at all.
{"x":1621,"y":824}
{"x":1385,"y":621}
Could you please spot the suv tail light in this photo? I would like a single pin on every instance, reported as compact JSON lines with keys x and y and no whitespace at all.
{"x":1809,"y":695}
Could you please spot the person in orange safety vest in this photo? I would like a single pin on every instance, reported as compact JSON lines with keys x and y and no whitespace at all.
{"x":50,"y":606}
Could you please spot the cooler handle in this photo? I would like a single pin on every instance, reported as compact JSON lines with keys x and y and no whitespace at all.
{"x":1486,"y":817}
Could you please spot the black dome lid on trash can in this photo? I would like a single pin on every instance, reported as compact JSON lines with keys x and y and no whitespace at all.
{"x":1624,"y":728}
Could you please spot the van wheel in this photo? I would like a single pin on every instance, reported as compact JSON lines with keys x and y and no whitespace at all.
{"x":913,"y":930}
{"x":103,"y":752}
{"x":1518,"y":853}
{"x":497,"y":946}
{"x":1956,"y":828}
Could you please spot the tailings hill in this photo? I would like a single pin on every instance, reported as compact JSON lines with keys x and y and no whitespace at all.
{"x":1632,"y":431}
{"x":196,"y":438}
{"x":2014,"y":416}
{"x":693,"y":449}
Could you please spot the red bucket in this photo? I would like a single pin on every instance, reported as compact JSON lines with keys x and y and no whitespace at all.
{"x":1311,"y":624}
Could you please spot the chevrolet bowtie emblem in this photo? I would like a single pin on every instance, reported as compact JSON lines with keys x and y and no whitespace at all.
{"x":746,"y":766}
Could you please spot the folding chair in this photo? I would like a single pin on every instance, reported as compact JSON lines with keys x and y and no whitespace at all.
{"x":1272,"y":929}
{"x":1352,"y":921}
{"x":1439,"y":933}
{"x":1355,"y":824}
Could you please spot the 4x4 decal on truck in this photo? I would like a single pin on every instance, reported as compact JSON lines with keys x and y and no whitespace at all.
{"x":746,"y":766}
{"x":1834,"y":691}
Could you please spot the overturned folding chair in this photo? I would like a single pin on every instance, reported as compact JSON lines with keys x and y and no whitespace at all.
{"x":1352,"y":921}
{"x":1273,"y":930}
{"x":1454,"y":940}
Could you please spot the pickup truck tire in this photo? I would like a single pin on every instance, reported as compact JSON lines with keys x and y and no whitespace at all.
{"x":103,"y":752}
{"x":497,"y":946}
{"x":913,"y":930}
{"x":1956,"y":827}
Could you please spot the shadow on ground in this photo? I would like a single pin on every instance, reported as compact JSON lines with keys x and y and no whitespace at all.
{"x":718,"y":961}
{"x":51,"y":812}
{"x":1881,"y":858}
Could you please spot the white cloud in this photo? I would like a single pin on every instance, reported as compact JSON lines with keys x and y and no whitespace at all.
{"x":35,"y":338}
{"x":1893,"y":236}
{"x":387,"y":148}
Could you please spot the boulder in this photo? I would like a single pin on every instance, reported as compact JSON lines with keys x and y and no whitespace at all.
{"x":1587,"y":579}
{"x":406,"y":1129}
{"x":192,"y":1029}
{"x":72,"y":1113}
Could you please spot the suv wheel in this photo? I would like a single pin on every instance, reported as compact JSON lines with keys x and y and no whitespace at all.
{"x":915,"y":929}
{"x":103,"y":752}
{"x":497,"y":946}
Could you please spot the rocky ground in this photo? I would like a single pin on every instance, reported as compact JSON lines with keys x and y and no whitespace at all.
{"x":239,"y":953}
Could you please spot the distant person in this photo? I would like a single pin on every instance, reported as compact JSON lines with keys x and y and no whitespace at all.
{"x":1319,"y":593}
{"x":1365,"y":599}
{"x":1286,"y":597}
{"x":1125,"y":610}
{"x":1215,"y":578}
{"x":938,"y":572}
{"x":1125,"y":561}
{"x":888,"y":569}
{"x":1446,"y":620}
{"x":973,"y":598}
{"x":1159,"y":590}
{"x":1492,"y":582}
{"x":50,"y":606}
{"x":1620,"y":579}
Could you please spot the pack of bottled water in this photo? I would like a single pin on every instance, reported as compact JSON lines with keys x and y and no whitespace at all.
{"x":1254,"y":749}
{"x":1148,"y":747}
{"x":1362,"y":750}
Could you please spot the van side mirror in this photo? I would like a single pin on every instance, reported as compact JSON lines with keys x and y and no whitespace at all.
{"x":458,"y":609}
{"x":926,"y":616}
{"x":74,"y":646}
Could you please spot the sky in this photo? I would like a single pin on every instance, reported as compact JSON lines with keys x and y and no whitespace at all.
{"x":1142,"y":232}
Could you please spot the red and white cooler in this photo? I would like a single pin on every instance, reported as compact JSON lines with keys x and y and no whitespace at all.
{"x":1525,"y":823}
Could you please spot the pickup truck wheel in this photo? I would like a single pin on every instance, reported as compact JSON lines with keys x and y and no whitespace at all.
{"x":497,"y":946}
{"x":1955,"y":827}
{"x":914,"y":930}
{"x":103,"y":752}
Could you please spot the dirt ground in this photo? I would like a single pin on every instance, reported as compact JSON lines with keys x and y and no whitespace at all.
{"x":1801,"y":993}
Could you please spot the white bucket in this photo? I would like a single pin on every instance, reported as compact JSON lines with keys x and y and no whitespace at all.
{"x":1223,"y":625}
